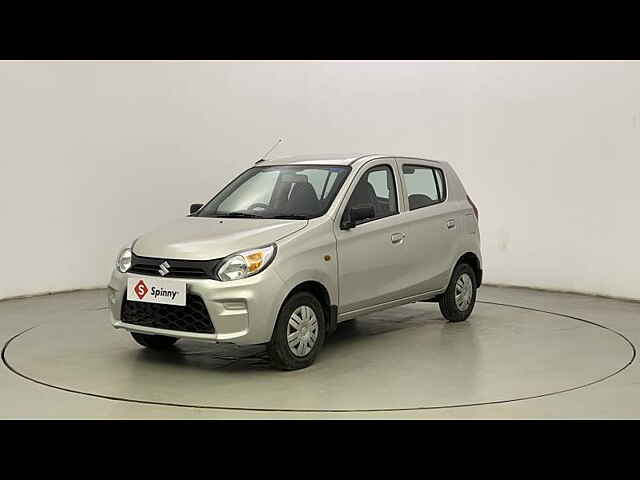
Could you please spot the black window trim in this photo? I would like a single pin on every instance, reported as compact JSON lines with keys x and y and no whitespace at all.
{"x":366,"y":171}
{"x":433,"y":169}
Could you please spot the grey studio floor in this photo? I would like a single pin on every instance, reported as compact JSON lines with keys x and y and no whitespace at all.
{"x":523,"y":354}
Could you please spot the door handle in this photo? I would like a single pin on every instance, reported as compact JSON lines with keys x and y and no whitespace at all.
{"x":451,"y":223}
{"x":398,"y":237}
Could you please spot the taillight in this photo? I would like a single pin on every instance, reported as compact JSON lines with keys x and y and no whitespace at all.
{"x":475,"y":209}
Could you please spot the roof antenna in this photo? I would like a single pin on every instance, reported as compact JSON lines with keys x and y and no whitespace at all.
{"x":269,"y":151}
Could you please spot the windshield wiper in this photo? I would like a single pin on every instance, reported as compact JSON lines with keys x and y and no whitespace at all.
{"x":290,"y":217}
{"x":238,"y":214}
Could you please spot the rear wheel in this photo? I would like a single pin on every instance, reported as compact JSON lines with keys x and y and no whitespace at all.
{"x":155,"y":342}
{"x":457,"y":302}
{"x":299,"y":333}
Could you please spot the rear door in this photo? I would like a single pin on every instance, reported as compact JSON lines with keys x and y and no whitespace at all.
{"x":431,"y":227}
{"x":373,"y":262}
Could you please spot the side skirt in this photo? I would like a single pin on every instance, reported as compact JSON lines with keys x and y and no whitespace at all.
{"x":428,"y":296}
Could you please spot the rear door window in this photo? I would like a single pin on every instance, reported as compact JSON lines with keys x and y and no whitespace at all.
{"x":425,"y":186}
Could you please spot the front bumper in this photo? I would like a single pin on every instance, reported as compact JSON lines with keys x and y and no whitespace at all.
{"x":242,"y":311}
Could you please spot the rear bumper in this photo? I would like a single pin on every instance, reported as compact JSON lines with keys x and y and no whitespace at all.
{"x":242,"y":311}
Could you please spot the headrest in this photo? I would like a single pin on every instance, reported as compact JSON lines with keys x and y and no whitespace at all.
{"x":294,"y":178}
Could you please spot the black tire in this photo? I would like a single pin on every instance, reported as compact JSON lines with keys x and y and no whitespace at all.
{"x":281,"y":355}
{"x":154,"y":342}
{"x":447,"y":300}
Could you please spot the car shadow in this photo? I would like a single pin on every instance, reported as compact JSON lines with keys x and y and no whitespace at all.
{"x":201,"y":355}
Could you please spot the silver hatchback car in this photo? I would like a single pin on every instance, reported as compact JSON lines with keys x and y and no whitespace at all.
{"x":292,"y":247}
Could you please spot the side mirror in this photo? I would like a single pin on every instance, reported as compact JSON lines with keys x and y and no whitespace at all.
{"x":356,"y":214}
{"x":194,"y":207}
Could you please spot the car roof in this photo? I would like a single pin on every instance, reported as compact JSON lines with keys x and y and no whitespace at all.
{"x":331,"y":159}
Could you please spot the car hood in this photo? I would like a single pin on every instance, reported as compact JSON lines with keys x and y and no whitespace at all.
{"x":205,"y":238}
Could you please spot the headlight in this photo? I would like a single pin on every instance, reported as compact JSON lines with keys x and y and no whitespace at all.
{"x":245,"y":264}
{"x":124,"y":260}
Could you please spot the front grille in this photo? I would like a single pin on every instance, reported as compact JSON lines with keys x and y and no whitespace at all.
{"x":177,"y":268}
{"x":191,"y":318}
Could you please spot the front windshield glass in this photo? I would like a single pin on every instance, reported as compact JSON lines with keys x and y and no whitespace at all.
{"x":279,"y":191}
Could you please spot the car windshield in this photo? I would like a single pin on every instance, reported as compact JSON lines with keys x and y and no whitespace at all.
{"x":278,"y":191}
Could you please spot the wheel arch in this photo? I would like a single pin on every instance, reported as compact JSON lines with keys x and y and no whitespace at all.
{"x":322,"y":294}
{"x":473,"y":261}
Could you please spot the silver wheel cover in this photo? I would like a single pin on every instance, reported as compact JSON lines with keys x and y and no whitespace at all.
{"x":302,"y":331}
{"x":463,"y":292}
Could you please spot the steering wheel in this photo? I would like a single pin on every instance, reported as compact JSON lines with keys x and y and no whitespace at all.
{"x":257,"y":205}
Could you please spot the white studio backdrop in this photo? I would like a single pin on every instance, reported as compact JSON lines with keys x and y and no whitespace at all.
{"x":92,"y":154}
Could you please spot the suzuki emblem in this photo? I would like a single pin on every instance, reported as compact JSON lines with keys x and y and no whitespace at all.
{"x":164,"y":268}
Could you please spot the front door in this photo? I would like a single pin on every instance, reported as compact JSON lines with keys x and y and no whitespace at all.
{"x":373,"y":261}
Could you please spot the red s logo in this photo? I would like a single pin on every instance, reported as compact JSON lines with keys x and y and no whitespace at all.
{"x":140,"y":289}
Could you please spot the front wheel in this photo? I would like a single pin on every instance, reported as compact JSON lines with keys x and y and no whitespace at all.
{"x":457,"y":302}
{"x":299,"y":333}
